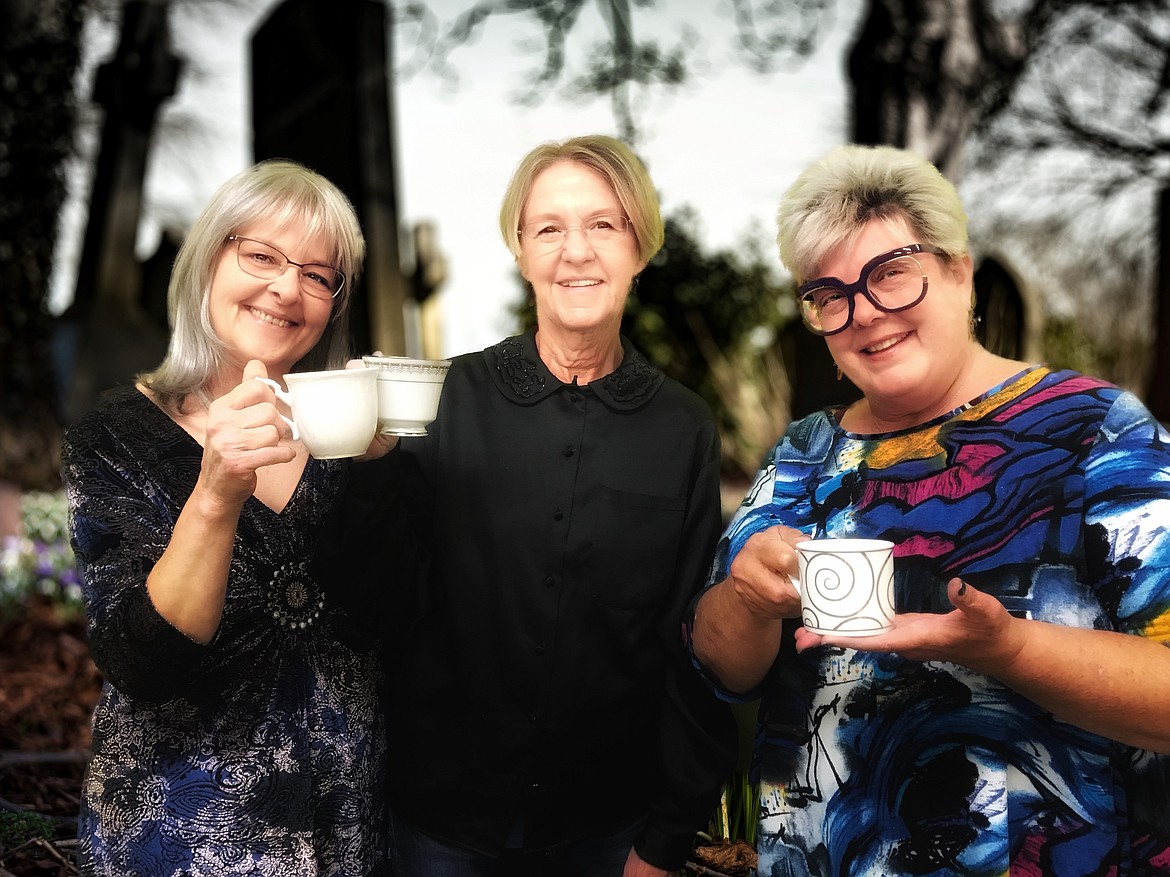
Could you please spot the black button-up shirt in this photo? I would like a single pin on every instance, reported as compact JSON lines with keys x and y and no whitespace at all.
{"x":545,"y":681}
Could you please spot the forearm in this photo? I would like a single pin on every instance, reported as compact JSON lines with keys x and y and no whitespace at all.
{"x":1113,"y":684}
{"x":735,"y":644}
{"x":188,"y":584}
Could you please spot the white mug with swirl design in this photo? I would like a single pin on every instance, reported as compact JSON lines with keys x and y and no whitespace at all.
{"x":846,"y":586}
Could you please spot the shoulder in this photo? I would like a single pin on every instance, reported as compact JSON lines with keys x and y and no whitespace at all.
{"x":117,"y":411}
{"x":1096,"y":403}
{"x":677,"y":395}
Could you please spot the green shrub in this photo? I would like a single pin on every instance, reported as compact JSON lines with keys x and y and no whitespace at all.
{"x":17,"y":828}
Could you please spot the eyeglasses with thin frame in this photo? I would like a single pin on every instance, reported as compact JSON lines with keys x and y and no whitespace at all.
{"x":602,"y":229}
{"x":263,"y":260}
{"x":892,"y":282}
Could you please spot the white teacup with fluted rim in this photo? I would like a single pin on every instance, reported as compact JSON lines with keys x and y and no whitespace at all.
{"x":846,"y":586}
{"x":334,"y":412}
{"x":408,"y":392}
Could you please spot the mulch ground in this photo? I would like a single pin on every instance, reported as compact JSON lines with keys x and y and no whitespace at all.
{"x":48,"y":689}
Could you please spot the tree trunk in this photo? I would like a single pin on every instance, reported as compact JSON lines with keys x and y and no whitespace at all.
{"x":1158,"y":392}
{"x":39,"y":54}
{"x":919,"y":69}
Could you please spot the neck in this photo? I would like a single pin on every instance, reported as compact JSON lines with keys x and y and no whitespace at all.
{"x":981,"y":371}
{"x":579,"y":358}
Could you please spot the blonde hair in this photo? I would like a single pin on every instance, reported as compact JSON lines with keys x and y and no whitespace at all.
{"x":279,"y":191}
{"x":608,"y":156}
{"x":834,"y":198}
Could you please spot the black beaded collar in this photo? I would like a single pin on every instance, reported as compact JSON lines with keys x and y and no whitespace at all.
{"x":519,"y":373}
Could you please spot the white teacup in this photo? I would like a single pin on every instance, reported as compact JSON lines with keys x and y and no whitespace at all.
{"x":335,"y":412}
{"x":408,"y":392}
{"x":846,"y":585}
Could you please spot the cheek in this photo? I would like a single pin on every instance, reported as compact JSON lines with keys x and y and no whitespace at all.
{"x":320,"y":316}
{"x":524,"y":264}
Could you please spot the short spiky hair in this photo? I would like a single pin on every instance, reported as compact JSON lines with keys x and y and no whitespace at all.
{"x":834,"y":198}
{"x":609,"y":157}
{"x":280,"y":191}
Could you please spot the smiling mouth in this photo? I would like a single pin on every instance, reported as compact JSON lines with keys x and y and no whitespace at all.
{"x":269,"y":319}
{"x":579,"y":284}
{"x":884,"y":345}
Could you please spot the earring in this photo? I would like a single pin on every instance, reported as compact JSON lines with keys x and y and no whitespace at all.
{"x":973,"y":321}
{"x":840,"y":373}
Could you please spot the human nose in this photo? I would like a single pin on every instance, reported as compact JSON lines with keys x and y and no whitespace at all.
{"x":284,"y":283}
{"x":576,"y":244}
{"x":864,"y":310}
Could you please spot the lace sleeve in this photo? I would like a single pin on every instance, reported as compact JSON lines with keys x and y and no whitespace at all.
{"x":120,"y":524}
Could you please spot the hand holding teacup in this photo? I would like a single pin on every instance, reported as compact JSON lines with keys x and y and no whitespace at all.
{"x":244,"y":432}
{"x":334,"y":412}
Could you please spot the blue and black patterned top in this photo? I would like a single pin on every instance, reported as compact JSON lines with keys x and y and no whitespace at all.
{"x":1051,"y":492}
{"x":261,"y":752}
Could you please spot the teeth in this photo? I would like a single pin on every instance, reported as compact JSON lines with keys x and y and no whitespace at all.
{"x":884,"y":345}
{"x":579,"y":283}
{"x":268,"y":318}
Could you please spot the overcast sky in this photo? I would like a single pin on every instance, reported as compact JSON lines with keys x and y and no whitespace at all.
{"x":727,"y":144}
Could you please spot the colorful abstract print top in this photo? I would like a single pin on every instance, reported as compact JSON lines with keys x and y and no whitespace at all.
{"x":1051,"y":492}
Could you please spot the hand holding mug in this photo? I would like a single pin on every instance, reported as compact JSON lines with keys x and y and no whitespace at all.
{"x":761,"y":574}
{"x":978,"y":633}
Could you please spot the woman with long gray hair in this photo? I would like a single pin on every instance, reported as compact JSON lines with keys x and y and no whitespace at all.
{"x":240,"y":729}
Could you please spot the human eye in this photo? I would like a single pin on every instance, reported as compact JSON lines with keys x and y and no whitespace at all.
{"x":544,"y":231}
{"x":260,"y":255}
{"x":608,"y":226}
{"x":826,"y":299}
{"x":894,"y":274}
{"x":320,"y":278}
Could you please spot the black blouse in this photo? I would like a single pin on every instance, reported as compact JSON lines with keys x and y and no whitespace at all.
{"x":544,"y":679}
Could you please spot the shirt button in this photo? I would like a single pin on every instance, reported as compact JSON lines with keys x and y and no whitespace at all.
{"x":536,"y":788}
{"x":539,"y":651}
{"x":534,"y":718}
{"x":550,"y":581}
{"x":568,"y":452}
{"x":558,"y":514}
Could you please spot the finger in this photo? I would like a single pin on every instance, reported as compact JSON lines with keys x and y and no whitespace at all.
{"x":254,"y":369}
{"x":249,"y":391}
{"x":965,"y":598}
{"x":379,"y":447}
{"x":781,"y":554}
{"x":806,"y":639}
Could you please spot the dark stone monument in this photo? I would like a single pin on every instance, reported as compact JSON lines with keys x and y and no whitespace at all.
{"x":999,"y":305}
{"x":321,"y":96}
{"x":113,"y":337}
